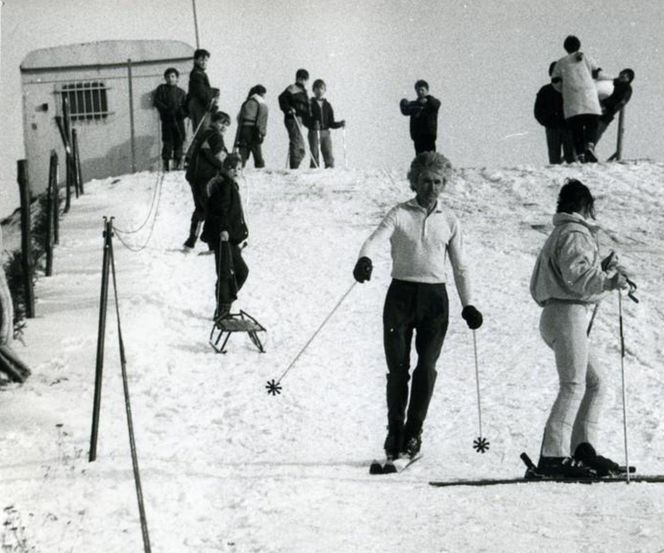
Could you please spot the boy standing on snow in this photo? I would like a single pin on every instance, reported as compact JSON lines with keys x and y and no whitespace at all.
{"x":169,"y":99}
{"x":574,"y":76}
{"x":423,"y":114}
{"x":252,"y":126}
{"x":206,"y":162}
{"x":423,"y":235}
{"x":200,"y":94}
{"x":549,"y":113}
{"x":294,"y":102}
{"x":224,"y":231}
{"x":320,"y":123}
{"x":568,"y":280}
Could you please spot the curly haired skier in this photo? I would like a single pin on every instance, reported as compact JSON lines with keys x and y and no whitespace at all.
{"x":423,"y":235}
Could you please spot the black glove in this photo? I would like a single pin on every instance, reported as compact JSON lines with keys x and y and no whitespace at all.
{"x":362,"y":270}
{"x":472,"y":317}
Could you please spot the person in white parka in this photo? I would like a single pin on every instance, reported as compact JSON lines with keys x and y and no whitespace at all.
{"x":574,"y":76}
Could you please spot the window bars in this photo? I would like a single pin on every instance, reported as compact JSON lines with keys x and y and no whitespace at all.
{"x":87,"y":100}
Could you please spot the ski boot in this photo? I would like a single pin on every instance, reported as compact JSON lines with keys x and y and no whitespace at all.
{"x":586,"y":455}
{"x":561,"y":467}
{"x":412,"y":440}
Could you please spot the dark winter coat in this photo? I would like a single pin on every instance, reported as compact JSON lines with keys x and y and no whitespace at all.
{"x":549,"y":107}
{"x":324,"y":116}
{"x":254,"y":113}
{"x":200,"y":91}
{"x":621,"y":94}
{"x":205,"y":160}
{"x":423,"y":117}
{"x":295,"y":97}
{"x":224,"y":212}
{"x":170,"y":102}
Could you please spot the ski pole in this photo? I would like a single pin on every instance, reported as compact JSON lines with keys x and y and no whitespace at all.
{"x":592,"y":319}
{"x":343,"y":137}
{"x":622,"y":373}
{"x":480,"y":444}
{"x":274,"y":385}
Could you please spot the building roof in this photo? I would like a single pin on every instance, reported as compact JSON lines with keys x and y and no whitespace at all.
{"x":105,"y":53}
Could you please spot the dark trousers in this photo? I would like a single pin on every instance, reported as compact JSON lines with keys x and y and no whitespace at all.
{"x":424,"y":144}
{"x":172,"y":137}
{"x":584,"y":131}
{"x":232,"y":271}
{"x":198,"y":215}
{"x":248,"y":143}
{"x":423,"y":309}
{"x":296,"y":149}
{"x":325,"y":146}
{"x":557,"y":139}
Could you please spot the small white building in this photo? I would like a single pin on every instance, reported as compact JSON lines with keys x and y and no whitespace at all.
{"x":109,"y":87}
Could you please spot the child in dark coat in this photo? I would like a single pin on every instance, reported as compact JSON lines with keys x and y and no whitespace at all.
{"x":423,"y":114}
{"x":622,"y":92}
{"x":225,"y":231}
{"x":169,"y":99}
{"x":320,"y":123}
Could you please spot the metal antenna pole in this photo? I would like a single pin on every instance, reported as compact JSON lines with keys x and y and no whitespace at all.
{"x":193,"y":4}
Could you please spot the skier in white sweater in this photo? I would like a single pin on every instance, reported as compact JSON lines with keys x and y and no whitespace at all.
{"x":423,"y":235}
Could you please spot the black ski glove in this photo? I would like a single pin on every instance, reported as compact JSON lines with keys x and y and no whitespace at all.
{"x":472,"y":317}
{"x":362,"y":270}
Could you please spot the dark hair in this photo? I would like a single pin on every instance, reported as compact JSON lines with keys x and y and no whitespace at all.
{"x":318,"y":83}
{"x":552,"y":67}
{"x":220,"y":116}
{"x":230,"y":161}
{"x":258,"y":89}
{"x":429,"y":161}
{"x":302,"y":74}
{"x":629,"y":72}
{"x":571,"y":44}
{"x":574,"y":196}
{"x":201,"y":53}
{"x":420,"y":83}
{"x":171,"y":70}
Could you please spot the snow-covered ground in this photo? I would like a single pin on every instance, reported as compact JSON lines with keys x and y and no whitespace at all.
{"x":227,"y":467}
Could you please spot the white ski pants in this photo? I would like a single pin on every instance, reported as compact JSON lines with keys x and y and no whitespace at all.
{"x":574,"y":415}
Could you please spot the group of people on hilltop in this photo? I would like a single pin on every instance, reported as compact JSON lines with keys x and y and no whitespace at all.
{"x":573,"y":112}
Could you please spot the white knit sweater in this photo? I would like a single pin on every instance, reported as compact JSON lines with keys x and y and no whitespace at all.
{"x":421,"y":244}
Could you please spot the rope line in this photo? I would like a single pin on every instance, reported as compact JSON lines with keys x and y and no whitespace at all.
{"x":155,"y":195}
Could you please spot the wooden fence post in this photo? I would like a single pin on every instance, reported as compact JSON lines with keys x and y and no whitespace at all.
{"x":77,"y":160}
{"x":52,"y":174}
{"x":56,"y":201}
{"x":26,"y":237}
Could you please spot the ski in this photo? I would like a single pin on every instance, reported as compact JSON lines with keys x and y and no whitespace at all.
{"x":392,"y":466}
{"x":645,"y":478}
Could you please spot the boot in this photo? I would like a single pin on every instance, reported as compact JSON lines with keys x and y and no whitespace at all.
{"x":412,"y":439}
{"x":166,"y":165}
{"x":193,"y":235}
{"x":393,"y":440}
{"x":586,"y":455}
{"x":564,"y":467}
{"x":589,"y":153}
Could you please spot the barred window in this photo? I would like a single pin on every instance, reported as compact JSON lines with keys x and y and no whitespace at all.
{"x":87,"y":100}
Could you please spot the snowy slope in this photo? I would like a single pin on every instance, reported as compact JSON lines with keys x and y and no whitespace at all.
{"x":226,"y":467}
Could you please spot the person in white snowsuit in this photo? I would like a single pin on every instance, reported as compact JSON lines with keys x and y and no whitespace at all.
{"x":574,"y":76}
{"x":423,"y":235}
{"x":568,"y":280}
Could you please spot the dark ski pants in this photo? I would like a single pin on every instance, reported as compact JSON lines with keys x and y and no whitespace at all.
{"x":423,"y":309}
{"x":558,"y":138}
{"x":172,"y":137}
{"x":296,"y":149}
{"x":249,"y":144}
{"x":424,"y":144}
{"x":198,"y":215}
{"x":232,"y":271}
{"x":584,"y":131}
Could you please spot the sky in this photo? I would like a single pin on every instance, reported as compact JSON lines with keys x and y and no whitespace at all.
{"x":485,"y":60}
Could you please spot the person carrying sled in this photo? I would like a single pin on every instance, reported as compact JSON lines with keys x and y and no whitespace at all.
{"x":320,"y":123}
{"x":568,"y":280}
{"x":252,"y":126}
{"x":225,"y":231}
{"x":424,"y":235}
{"x":423,"y":113}
{"x":169,"y":99}
{"x":294,"y":102}
{"x":201,"y":97}
{"x":548,"y":111}
{"x":206,"y":162}
{"x":574,"y":75}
